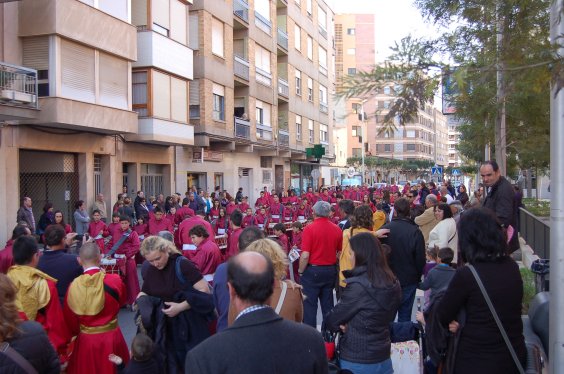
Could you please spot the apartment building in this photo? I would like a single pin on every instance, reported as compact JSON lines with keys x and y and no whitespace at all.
{"x":260,"y":94}
{"x":89,"y":102}
{"x":454,"y":159}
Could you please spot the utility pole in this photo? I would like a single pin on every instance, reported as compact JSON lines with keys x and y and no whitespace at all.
{"x":556,"y":326}
{"x":500,"y":132}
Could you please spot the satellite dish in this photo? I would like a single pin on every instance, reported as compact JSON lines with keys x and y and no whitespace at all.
{"x":350,"y":172}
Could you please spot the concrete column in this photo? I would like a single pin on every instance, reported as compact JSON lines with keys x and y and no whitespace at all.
{"x":10,"y":189}
{"x":86,"y":178}
{"x":111,"y":182}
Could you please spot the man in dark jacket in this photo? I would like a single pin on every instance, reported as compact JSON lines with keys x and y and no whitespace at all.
{"x":499,"y":198}
{"x":407,"y":257}
{"x":259,"y":341}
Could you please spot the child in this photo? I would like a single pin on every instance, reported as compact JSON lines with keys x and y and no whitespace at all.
{"x":142,"y":359}
{"x":279,"y":230}
{"x":289,"y":214}
{"x":97,"y":229}
{"x":262,"y":218}
{"x":432,"y":254}
{"x":141,"y":228}
{"x":249,"y":219}
{"x":440,"y":276}
{"x":297,"y":228}
{"x":114,"y":225}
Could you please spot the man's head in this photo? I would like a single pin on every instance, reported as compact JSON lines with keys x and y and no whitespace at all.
{"x":20,"y":230}
{"x":346,"y":206}
{"x":100,"y":197}
{"x":276,"y":198}
{"x":236,"y":218}
{"x":201,"y":213}
{"x":250,"y":277}
{"x":25,"y":251}
{"x":158,"y":212}
{"x":490,"y":173}
{"x":140,"y":194}
{"x":444,"y":190}
{"x":249,"y":235}
{"x":55,"y":236}
{"x":430,"y":200}
{"x":401,"y":208}
{"x":26,"y":202}
{"x":322,"y":209}
{"x":89,"y":255}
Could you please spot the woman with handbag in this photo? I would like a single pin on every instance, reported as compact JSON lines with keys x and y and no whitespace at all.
{"x":368,"y":305}
{"x":485,"y":346}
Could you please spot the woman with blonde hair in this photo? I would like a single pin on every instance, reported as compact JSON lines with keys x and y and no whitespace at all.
{"x":287,"y":298}
{"x":25,"y":339}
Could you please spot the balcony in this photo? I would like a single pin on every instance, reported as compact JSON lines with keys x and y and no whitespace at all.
{"x":264,"y":132}
{"x":163,"y":132}
{"x":323,"y":108}
{"x":263,"y":24}
{"x":18,"y":92}
{"x":283,"y":139}
{"x":323,"y":70}
{"x":164,"y":53}
{"x":323,"y":32}
{"x":241,"y":67}
{"x":283,"y":88}
{"x":283,"y":39}
{"x":263,"y":77}
{"x":241,"y":10}
{"x":242,"y":128}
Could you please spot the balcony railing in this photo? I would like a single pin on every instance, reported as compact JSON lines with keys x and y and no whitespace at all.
{"x":18,"y":86}
{"x":283,"y":88}
{"x":283,"y":138}
{"x":264,"y":132}
{"x":263,"y":24}
{"x":241,"y":9}
{"x":241,"y":67}
{"x":283,"y":39}
{"x":323,"y":108}
{"x":323,"y":70}
{"x":242,"y":128}
{"x":264,"y":77}
{"x":323,"y":32}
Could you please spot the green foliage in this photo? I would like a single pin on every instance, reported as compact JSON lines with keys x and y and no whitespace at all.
{"x":540,"y":208}
{"x":529,"y":289}
{"x":388,"y":163}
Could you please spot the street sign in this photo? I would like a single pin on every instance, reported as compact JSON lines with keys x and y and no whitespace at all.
{"x":437,"y":170}
{"x":315,"y":174}
{"x":350,"y":172}
{"x":455,"y":172}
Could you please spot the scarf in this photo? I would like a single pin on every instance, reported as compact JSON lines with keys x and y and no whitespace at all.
{"x":85,"y":296}
{"x":33,"y":290}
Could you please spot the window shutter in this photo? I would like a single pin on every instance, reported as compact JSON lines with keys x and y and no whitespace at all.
{"x":77,"y":72}
{"x":113,"y":81}
{"x":178,"y":22}
{"x":218,"y":89}
{"x":193,"y":41}
{"x":161,"y":13}
{"x":139,"y":13}
{"x":179,"y":105}
{"x":217,"y":37}
{"x":194,"y":92}
{"x":36,"y":53}
{"x":161,"y":94}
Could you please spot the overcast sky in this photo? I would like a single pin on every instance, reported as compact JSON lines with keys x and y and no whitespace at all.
{"x":398,"y":18}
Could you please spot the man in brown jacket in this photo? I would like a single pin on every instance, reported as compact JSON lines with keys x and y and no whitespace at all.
{"x":427,"y":220}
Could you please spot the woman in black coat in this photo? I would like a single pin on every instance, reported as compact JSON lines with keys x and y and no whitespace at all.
{"x":368,"y":305}
{"x":481,"y":348}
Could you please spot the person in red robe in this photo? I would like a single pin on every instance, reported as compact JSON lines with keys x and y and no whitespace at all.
{"x":221,"y":224}
{"x":214,"y":211}
{"x":230,"y":208}
{"x":141,"y":228}
{"x":6,"y":255}
{"x":114,"y":225}
{"x":289,"y":214}
{"x":182,"y":214}
{"x":262,"y":218}
{"x":236,"y":220}
{"x":261,"y":201}
{"x":158,"y":222}
{"x":128,"y":249}
{"x":207,"y":255}
{"x":276,"y":210}
{"x":91,"y":309}
{"x":249,"y":219}
{"x":244,"y":204}
{"x":185,"y":241}
{"x":98,"y":229}
{"x":37,"y":295}
{"x":280,"y":232}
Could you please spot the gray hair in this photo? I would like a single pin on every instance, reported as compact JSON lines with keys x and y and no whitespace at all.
{"x":165,"y":234}
{"x":322,"y":209}
{"x":432,"y":198}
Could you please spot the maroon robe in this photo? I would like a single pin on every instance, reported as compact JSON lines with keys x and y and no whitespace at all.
{"x":129,"y":248}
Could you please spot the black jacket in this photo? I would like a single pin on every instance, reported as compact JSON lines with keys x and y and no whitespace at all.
{"x":260,"y":342}
{"x":407,"y":257}
{"x":367,"y":311}
{"x":500,"y":199}
{"x":32,"y":343}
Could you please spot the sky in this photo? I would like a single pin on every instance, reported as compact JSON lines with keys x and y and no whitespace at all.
{"x":394,"y":20}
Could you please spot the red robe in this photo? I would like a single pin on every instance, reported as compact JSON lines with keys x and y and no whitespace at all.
{"x":289,"y":215}
{"x":233,"y":244}
{"x":156,"y":226}
{"x":181,"y":214}
{"x":230,"y":208}
{"x":6,"y":257}
{"x":243,"y":207}
{"x":91,"y":351}
{"x":297,"y":239}
{"x":283,"y":241}
{"x":98,"y":231}
{"x":184,"y":233}
{"x":113,"y":227}
{"x":261,"y":201}
{"x":129,"y":248}
{"x":142,"y":230}
{"x":249,"y":221}
{"x":276,"y":213}
{"x":262,"y":220}
{"x":207,"y":257}
{"x":214,"y":214}
{"x":220,"y":223}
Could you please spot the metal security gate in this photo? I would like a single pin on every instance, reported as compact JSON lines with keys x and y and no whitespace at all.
{"x":151,"y":180}
{"x":50,"y":177}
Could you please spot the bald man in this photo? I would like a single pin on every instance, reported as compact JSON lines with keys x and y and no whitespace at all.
{"x":259,"y":340}
{"x":91,"y":309}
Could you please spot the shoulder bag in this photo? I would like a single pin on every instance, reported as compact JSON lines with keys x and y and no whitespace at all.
{"x":13,"y":355}
{"x":282,"y":296}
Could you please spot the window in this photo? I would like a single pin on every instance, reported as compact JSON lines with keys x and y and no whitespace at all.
{"x":309,"y":47}
{"x":36,"y":56}
{"x":351,"y":71}
{"x":410,"y":147}
{"x":262,"y":58}
{"x":322,"y":94}
{"x":113,"y":87}
{"x":356,"y":131}
{"x":322,"y":18}
{"x":387,"y":147}
{"x":195,"y":98}
{"x":310,"y":89}
{"x":77,"y":72}
{"x":178,"y":21}
{"x":139,"y":92}
{"x":263,"y":113}
{"x":351,"y":31}
{"x":322,"y":60}
{"x":298,"y":82}
{"x":193,"y":33}
{"x":387,"y":90}
{"x":357,"y":152}
{"x":308,"y":7}
{"x":386,"y":104}
{"x":351,"y":51}
{"x":218,"y":113}
{"x":410,"y":134}
{"x":263,"y":8}
{"x":160,"y":11}
{"x":356,"y":108}
{"x":310,"y":128}
{"x":299,"y":128}
{"x":323,"y":133}
{"x":161,"y":90}
{"x":297,"y":37}
{"x":217,"y":37}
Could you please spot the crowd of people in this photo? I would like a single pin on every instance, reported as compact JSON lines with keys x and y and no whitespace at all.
{"x":233,"y":287}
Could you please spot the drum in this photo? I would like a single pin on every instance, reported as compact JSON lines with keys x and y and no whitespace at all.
{"x":112,"y":266}
{"x":269,"y":231}
{"x":288,"y":226}
{"x":221,"y":241}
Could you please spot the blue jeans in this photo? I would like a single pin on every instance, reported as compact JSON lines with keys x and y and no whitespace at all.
{"x":406,"y":306}
{"x":384,"y":367}
{"x":318,"y":283}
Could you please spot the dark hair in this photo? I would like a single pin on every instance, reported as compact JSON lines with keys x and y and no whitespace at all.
{"x":481,"y":238}
{"x":141,"y":347}
{"x":279,"y":227}
{"x":249,"y":235}
{"x":200,"y":212}
{"x":492,"y":163}
{"x":185,"y":201}
{"x":433,"y":252}
{"x":158,"y":209}
{"x":54,"y":234}
{"x":298,"y":225}
{"x":346,"y":206}
{"x":47,"y":206}
{"x":401,"y":207}
{"x":199,"y":231}
{"x":236,"y":217}
{"x":362,"y":217}
{"x":447,"y":213}
{"x":19,"y":230}
{"x":96,"y":211}
{"x":446,"y":254}
{"x":368,"y":252}
{"x":416,"y":211}
{"x":116,"y":214}
{"x":78,"y":204}
{"x":253,"y":287}
{"x":123,"y":217}
{"x":25,"y":247}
